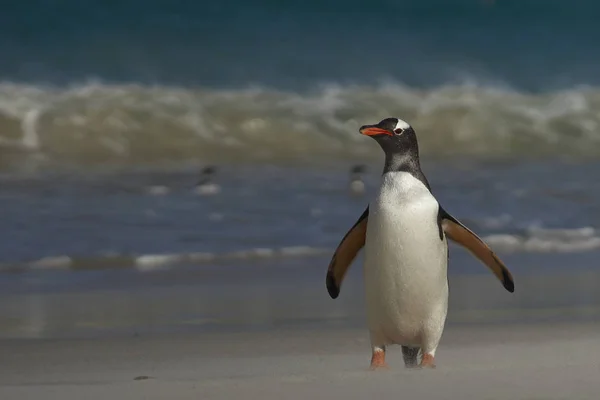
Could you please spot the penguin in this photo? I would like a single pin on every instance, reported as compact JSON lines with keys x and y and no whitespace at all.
{"x":357,"y":186}
{"x":205,"y":185}
{"x":404,"y":231}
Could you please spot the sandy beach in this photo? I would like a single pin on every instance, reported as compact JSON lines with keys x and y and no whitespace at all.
{"x":273,"y":333}
{"x":525,"y":361}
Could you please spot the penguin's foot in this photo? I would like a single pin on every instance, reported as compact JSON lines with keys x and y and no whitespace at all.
{"x":428,"y":361}
{"x":378,"y":360}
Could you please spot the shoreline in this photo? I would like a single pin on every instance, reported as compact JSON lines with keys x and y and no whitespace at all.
{"x":267,"y":298}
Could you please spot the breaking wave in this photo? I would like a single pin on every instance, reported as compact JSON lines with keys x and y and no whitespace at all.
{"x":97,"y":123}
{"x":534,"y":240}
{"x":542,"y":240}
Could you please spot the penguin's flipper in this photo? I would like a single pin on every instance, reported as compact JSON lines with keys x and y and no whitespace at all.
{"x":460,"y":234}
{"x":346,"y":252}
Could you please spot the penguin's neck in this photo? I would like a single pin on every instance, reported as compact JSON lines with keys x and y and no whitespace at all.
{"x":204,"y":180}
{"x":401,"y":152}
{"x":401,"y":162}
{"x":407,"y":162}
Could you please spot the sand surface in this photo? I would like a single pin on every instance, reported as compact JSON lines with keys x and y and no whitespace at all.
{"x":525,"y":361}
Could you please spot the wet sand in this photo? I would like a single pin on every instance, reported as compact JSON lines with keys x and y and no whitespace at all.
{"x":267,"y":332}
{"x":518,"y":361}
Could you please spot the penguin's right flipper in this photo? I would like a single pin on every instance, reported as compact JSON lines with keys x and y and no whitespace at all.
{"x":346,"y":252}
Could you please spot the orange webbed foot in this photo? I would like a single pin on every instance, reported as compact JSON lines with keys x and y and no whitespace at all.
{"x":428,"y":361}
{"x":378,"y":360}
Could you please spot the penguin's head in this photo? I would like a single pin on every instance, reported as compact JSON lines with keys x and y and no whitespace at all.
{"x":210,"y":170}
{"x":357,"y":169}
{"x":393,"y":135}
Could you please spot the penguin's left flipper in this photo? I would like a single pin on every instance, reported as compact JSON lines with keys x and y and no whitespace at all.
{"x":460,"y":234}
{"x":346,"y":252}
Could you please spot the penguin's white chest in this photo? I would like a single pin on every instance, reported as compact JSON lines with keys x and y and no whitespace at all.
{"x":405,"y":266}
{"x":357,"y":186}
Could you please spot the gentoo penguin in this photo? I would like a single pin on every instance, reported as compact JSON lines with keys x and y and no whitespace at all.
{"x":357,"y":186}
{"x":205,"y":185}
{"x":404,"y":231}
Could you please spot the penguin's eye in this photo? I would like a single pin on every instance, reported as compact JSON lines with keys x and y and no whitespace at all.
{"x":398,"y":131}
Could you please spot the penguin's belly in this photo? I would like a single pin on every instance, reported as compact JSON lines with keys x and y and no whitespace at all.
{"x":405,"y":270}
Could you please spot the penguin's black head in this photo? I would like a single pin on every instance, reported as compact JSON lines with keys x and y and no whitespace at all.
{"x":393,"y":135}
{"x":357,"y":169}
{"x":210,"y":170}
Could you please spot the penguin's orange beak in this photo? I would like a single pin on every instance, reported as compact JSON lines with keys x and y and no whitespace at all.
{"x":371,"y":130}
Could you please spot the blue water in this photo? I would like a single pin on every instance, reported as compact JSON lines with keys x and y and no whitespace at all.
{"x":174,"y":80}
{"x":278,"y":214}
{"x":528,"y":45}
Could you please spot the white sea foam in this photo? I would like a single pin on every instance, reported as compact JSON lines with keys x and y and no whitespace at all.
{"x":533,"y":240}
{"x":102,"y":123}
{"x":540,"y":240}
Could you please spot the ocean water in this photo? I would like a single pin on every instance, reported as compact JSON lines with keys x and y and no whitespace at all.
{"x":102,"y":101}
{"x":93,"y":83}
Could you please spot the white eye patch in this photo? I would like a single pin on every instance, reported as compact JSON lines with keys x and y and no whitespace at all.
{"x":401,"y":125}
